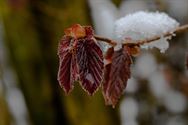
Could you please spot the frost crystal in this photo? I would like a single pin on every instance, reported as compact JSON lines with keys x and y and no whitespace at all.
{"x":142,"y":25}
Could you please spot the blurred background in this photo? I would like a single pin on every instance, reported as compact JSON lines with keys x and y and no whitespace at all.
{"x":30,"y":30}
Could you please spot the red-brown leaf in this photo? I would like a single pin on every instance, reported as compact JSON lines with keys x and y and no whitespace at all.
{"x":90,"y":62}
{"x":68,"y":69}
{"x":80,"y":59}
{"x":116,"y":75}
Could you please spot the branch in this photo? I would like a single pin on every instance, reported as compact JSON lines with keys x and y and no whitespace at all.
{"x":106,"y":40}
{"x":141,"y":42}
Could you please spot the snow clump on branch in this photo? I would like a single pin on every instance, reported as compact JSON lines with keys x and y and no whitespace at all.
{"x":144,"y":25}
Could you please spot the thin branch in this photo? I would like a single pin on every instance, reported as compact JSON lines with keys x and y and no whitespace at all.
{"x":141,"y":42}
{"x":106,"y":40}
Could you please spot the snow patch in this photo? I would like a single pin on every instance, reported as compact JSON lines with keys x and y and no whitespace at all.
{"x":143,"y":25}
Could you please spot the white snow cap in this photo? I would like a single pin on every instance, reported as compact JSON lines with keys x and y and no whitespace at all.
{"x":142,"y":25}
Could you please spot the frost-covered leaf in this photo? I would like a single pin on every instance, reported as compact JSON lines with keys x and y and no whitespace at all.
{"x":116,"y":75}
{"x":143,"y":25}
{"x":68,"y":70}
{"x":90,"y":62}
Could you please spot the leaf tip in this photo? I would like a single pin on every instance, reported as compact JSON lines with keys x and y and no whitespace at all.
{"x":67,"y":90}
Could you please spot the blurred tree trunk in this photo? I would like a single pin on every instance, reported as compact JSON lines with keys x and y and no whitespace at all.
{"x":33,"y":29}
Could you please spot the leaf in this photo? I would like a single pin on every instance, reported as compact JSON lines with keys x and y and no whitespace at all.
{"x":68,"y":69}
{"x":90,"y":62}
{"x":116,"y":75}
{"x":81,"y":59}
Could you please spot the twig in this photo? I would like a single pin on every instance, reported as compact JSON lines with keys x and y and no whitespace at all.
{"x":141,"y":42}
{"x":106,"y":40}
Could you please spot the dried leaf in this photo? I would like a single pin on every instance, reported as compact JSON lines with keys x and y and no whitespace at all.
{"x":90,"y":62}
{"x":116,"y":75}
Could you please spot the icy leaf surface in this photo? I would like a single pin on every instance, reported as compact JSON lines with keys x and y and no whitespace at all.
{"x":116,"y":75}
{"x":143,"y":25}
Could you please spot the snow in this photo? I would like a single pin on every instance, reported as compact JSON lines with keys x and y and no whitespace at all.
{"x":138,"y":25}
{"x":143,"y":25}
